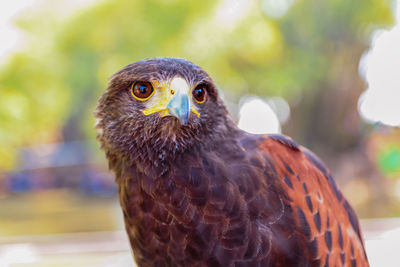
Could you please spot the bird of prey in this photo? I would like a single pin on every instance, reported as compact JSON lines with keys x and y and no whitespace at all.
{"x":195,"y":190}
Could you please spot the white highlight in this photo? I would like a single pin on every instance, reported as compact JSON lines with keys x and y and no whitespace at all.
{"x":276,"y":8}
{"x":12,"y":254}
{"x":229,"y":12}
{"x":281,"y":108}
{"x":256,"y":116}
{"x":382,"y":249}
{"x":380,"y":67}
{"x":179,"y":85}
{"x":13,"y":39}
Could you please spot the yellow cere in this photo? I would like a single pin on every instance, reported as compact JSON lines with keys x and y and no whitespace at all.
{"x":163,"y":93}
{"x":195,"y":112}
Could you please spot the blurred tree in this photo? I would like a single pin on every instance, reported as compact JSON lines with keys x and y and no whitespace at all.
{"x":333,"y":34}
{"x":309,"y":55}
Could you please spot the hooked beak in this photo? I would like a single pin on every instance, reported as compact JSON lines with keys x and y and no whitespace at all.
{"x":179,"y":106}
{"x":175,"y":100}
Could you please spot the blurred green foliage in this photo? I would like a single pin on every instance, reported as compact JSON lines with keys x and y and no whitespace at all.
{"x":389,"y":160}
{"x":49,"y":89}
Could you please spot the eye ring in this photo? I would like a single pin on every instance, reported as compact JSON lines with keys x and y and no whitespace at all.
{"x":199,"y":93}
{"x":142,"y":91}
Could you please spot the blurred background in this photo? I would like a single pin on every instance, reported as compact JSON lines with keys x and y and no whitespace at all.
{"x":326,"y":73}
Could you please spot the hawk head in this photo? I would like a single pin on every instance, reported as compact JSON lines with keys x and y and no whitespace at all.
{"x":156,"y":108}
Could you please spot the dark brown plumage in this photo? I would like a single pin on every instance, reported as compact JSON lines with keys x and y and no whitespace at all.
{"x":200,"y":192}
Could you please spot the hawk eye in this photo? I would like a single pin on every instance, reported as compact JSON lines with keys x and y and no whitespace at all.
{"x":142,"y":90}
{"x":199,"y":93}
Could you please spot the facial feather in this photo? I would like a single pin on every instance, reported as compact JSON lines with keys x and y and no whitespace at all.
{"x":128,"y":129}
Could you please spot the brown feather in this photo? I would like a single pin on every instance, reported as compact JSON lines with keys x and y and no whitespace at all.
{"x":209,"y":194}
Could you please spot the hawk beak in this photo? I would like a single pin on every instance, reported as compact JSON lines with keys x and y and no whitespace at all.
{"x":179,"y":103}
{"x":174,"y":100}
{"x":179,"y":106}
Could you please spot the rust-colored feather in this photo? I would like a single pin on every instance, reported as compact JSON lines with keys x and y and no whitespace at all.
{"x":324,"y":214}
{"x":255,"y":201}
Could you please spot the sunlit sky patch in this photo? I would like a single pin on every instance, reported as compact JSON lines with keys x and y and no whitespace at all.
{"x":229,"y":12}
{"x":276,"y":8}
{"x":380,"y":67}
{"x":11,"y":38}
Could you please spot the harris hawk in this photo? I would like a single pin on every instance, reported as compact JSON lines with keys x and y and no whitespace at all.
{"x":195,"y":190}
